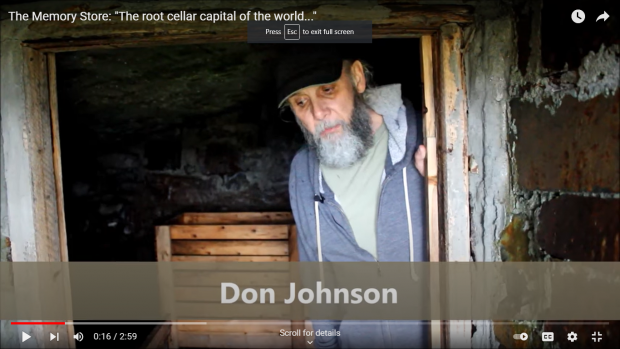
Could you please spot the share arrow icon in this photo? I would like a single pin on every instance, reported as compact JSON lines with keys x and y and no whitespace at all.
{"x":604,"y":16}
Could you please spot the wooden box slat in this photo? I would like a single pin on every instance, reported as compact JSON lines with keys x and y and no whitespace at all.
{"x":230,"y":248}
{"x":178,"y":258}
{"x":235,"y":218}
{"x":228,"y":237}
{"x":230,"y":232}
{"x":243,"y":279}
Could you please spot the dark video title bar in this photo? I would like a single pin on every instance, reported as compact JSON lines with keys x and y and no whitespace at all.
{"x":310,"y":32}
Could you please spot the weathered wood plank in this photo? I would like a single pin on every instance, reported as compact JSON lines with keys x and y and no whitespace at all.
{"x":229,"y":232}
{"x":164,"y":253}
{"x":37,"y":138}
{"x":236,"y":218}
{"x":237,"y":326}
{"x":230,"y":248}
{"x":455,"y":191}
{"x":237,"y":340}
{"x":387,"y":18}
{"x":214,"y":278}
{"x":60,"y":201}
{"x":230,"y":258}
{"x":432,"y":204}
{"x":162,"y":243}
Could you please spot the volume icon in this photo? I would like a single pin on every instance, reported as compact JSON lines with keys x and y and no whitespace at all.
{"x":79,"y":336}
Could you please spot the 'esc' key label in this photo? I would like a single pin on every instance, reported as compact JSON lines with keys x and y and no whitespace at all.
{"x":292,"y":32}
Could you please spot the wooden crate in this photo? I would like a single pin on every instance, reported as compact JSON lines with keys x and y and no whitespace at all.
{"x":227,"y":237}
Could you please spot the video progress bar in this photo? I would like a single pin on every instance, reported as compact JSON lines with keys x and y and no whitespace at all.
{"x":109,"y":323}
{"x":263,"y":322}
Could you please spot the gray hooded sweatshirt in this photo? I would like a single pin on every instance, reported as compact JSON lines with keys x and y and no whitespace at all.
{"x":324,"y":233}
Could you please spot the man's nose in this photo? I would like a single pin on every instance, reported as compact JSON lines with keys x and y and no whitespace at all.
{"x":320,"y":110}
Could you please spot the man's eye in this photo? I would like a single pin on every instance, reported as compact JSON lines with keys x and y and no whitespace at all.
{"x":301,"y":103}
{"x":327,"y":89}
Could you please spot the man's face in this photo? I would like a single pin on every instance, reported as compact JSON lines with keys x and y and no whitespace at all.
{"x":334,"y":118}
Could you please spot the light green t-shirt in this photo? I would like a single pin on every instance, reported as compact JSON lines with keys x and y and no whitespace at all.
{"x":358,"y":188}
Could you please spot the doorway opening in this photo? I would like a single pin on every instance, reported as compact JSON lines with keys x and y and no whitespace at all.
{"x":150,"y":133}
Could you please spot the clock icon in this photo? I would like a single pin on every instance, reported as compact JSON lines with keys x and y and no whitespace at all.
{"x":578,"y":16}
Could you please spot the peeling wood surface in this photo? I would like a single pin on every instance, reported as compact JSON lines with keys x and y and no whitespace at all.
{"x":60,"y":202}
{"x":455,"y":191}
{"x":45,"y":210}
{"x":582,"y":229}
{"x":575,"y":149}
{"x":147,"y":40}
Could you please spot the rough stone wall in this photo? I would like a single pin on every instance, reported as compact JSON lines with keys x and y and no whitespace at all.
{"x":117,"y":192}
{"x":563,"y":137}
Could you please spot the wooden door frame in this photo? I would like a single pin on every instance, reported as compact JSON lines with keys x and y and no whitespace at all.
{"x":445,"y":133}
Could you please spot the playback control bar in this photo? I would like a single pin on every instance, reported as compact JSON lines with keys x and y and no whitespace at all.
{"x":311,"y":32}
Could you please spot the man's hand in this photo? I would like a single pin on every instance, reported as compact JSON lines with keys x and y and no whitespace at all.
{"x":420,"y":156}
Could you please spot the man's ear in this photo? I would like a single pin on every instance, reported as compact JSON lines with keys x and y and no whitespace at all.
{"x":357,"y":72}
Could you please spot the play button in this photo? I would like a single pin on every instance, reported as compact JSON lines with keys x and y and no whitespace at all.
{"x":25,"y":336}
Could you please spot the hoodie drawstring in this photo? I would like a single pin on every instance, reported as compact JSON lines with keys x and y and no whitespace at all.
{"x":319,"y":198}
{"x":413,"y":274}
{"x":318,"y":230}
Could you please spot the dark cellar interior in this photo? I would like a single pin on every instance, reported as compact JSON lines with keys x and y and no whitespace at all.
{"x":150,"y":133}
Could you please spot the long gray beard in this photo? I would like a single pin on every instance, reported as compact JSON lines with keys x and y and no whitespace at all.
{"x":344,"y":149}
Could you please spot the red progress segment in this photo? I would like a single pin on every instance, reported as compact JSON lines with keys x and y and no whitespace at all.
{"x":37,"y":323}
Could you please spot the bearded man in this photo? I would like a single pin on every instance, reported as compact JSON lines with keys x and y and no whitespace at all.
{"x":357,"y":188}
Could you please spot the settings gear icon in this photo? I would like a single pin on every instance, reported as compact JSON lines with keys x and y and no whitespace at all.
{"x":572,"y":336}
